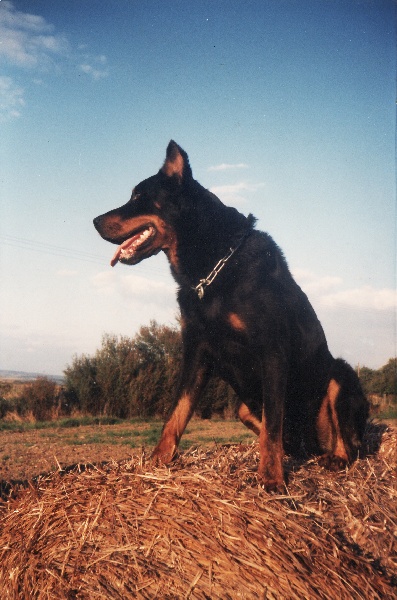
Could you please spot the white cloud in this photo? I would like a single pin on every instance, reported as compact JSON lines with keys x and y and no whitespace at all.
{"x":316,"y":285}
{"x":27,"y":40}
{"x":330,"y":292}
{"x":228,"y":167}
{"x":145,"y":290}
{"x":234,"y":193}
{"x":365,"y":297}
{"x":105,"y":282}
{"x":94,"y":72}
{"x":11,"y":99}
{"x":358,"y":321}
{"x":11,"y":17}
{"x":95,"y":66}
{"x":134,"y":288}
{"x":129,"y":300}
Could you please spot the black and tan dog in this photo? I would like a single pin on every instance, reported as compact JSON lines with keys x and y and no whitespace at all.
{"x":243,"y":318}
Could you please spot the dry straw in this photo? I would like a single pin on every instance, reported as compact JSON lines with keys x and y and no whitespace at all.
{"x":205,"y":529}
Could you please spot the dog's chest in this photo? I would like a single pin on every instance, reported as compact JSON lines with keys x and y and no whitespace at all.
{"x":225,"y":330}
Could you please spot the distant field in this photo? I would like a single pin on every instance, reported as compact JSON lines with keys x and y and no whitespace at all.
{"x":28,"y":449}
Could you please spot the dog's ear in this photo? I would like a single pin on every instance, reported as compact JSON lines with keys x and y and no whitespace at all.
{"x":176,"y":162}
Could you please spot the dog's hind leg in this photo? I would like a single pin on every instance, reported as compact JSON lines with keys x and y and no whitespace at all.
{"x":342,"y":417}
{"x":329,"y":433}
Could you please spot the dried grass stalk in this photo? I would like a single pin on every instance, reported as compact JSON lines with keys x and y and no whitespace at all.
{"x":205,"y":529}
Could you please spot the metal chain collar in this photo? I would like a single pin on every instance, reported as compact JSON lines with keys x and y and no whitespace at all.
{"x":204,"y":283}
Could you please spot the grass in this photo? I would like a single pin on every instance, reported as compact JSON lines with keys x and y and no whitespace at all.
{"x":65,"y":423}
{"x":147,"y":433}
{"x":137,"y":432}
{"x":24,"y":425}
{"x":389,"y":414}
{"x":27,"y":449}
{"x":81,"y":421}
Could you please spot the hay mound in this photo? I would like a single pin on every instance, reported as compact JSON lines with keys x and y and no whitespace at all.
{"x":205,"y":529}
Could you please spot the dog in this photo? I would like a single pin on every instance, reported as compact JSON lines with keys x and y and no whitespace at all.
{"x":243,"y":318}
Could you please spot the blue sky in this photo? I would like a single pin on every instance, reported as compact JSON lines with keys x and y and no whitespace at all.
{"x":286,"y":109}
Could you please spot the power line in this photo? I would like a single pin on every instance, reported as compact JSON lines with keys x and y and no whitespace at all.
{"x":54,"y":250}
{"x":51,"y":249}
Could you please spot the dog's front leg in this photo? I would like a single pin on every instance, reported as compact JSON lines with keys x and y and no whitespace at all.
{"x":194,"y":377}
{"x":271,"y":450}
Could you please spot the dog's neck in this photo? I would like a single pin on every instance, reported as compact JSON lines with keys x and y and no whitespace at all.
{"x":206,"y":282}
{"x":196,"y":263}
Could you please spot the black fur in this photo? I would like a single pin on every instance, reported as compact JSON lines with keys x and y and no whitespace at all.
{"x":254,"y":326}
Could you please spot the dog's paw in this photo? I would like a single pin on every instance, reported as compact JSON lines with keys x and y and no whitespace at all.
{"x":272,"y":486}
{"x":163,"y":455}
{"x":333,"y":462}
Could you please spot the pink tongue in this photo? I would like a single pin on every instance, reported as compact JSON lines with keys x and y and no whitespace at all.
{"x":122,"y":246}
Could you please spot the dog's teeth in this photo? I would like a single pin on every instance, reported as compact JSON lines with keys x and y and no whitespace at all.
{"x":127,"y":249}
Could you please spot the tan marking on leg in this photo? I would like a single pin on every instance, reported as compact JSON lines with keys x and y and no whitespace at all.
{"x":324,"y":426}
{"x":249,"y":420}
{"x":173,"y":430}
{"x":333,"y":393}
{"x":328,"y":429}
{"x":236,"y":322}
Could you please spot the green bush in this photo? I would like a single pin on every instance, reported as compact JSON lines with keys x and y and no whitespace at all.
{"x":138,"y":377}
{"x":127,"y":377}
{"x":5,"y":407}
{"x":42,"y":398}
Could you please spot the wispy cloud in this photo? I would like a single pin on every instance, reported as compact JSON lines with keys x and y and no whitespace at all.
{"x":105,"y":282}
{"x":316,"y":285}
{"x":234,"y":193}
{"x":228,"y":167}
{"x":330,"y":292}
{"x":134,"y":287}
{"x":147,"y":290}
{"x":95,"y":66}
{"x":365,"y":297}
{"x":28,"y":40}
{"x":11,"y":99}
{"x":32,"y":44}
{"x":138,"y":298}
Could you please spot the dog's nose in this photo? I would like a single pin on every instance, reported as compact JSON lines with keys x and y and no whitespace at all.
{"x":97,"y":222}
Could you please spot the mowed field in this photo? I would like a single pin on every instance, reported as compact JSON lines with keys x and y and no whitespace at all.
{"x":28,"y":450}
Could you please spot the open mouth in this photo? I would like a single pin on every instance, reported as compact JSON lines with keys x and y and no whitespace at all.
{"x":126,"y":252}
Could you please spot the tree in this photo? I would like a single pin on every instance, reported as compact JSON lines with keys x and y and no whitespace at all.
{"x":159,"y":350}
{"x":127,"y":377}
{"x":387,"y":378}
{"x":381,"y":381}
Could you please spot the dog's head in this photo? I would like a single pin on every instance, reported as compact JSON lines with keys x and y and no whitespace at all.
{"x":144,"y":226}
